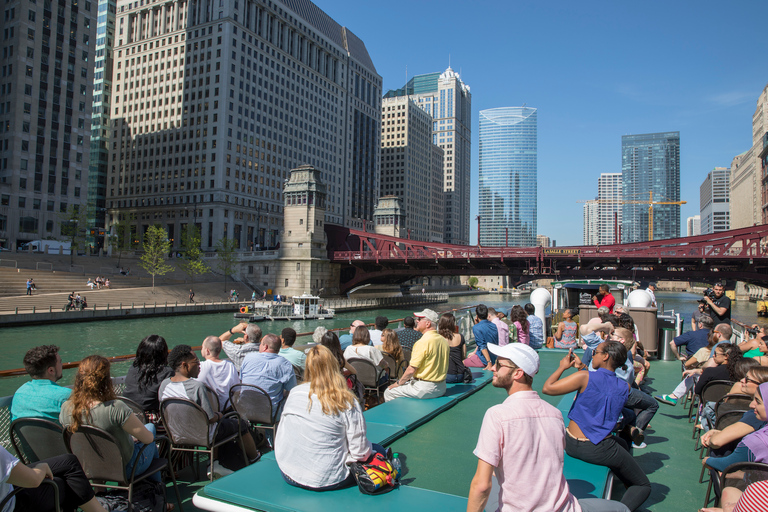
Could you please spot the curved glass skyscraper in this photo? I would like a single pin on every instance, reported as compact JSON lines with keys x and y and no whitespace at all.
{"x":508,"y":156}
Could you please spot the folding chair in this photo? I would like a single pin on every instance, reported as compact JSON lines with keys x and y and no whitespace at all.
{"x":369,"y":374}
{"x":255,"y":405}
{"x":712,"y":392}
{"x":35,"y":439}
{"x":17,"y":490}
{"x":753,"y":472}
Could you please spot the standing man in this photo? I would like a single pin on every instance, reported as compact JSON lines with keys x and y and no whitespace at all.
{"x":269,"y":371}
{"x":191,"y":295}
{"x":345,"y":340}
{"x":535,"y":327}
{"x":295,"y":357}
{"x":29,"y":286}
{"x":408,"y":335}
{"x":652,"y":292}
{"x":425,"y":375}
{"x":485,"y":332}
{"x":720,"y":307}
{"x":604,"y":298}
{"x":41,"y":397}
{"x":248,"y":343}
{"x":522,"y":440}
{"x":503,"y":328}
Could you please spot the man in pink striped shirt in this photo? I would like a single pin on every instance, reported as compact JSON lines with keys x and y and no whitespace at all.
{"x":503,"y":328}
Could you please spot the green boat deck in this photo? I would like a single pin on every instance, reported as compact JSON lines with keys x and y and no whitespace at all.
{"x":437,"y":455}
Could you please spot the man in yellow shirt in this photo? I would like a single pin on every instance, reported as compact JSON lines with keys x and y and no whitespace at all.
{"x":425,"y":375}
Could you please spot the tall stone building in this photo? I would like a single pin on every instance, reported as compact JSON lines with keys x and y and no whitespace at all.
{"x":714,"y":201}
{"x":746,"y":181}
{"x":46,"y":79}
{"x":609,"y":207}
{"x":214,"y":102}
{"x":448,"y":100}
{"x":590,"y":222}
{"x":412,"y":167}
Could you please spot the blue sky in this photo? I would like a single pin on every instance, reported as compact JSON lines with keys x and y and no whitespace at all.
{"x":596,"y":70}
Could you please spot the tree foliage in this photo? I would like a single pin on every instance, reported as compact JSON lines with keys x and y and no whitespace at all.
{"x":118,"y":240}
{"x":73,"y":227}
{"x":472,"y":282}
{"x":192,"y":262}
{"x":226,"y":258}
{"x":156,"y":247}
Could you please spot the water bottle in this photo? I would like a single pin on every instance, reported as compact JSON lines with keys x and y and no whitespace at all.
{"x":396,"y":464}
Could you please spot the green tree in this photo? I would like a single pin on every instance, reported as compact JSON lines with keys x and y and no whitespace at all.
{"x":226,"y":258}
{"x":119,"y":240}
{"x":156,"y":247}
{"x":472,"y":282}
{"x":73,"y":225}
{"x":192,"y":263}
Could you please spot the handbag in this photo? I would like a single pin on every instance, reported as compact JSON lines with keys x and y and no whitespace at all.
{"x":377,"y":475}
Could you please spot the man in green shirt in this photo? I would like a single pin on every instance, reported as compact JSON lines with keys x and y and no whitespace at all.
{"x":41,"y":397}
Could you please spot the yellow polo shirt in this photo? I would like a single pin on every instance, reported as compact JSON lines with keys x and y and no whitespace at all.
{"x":430,"y":357}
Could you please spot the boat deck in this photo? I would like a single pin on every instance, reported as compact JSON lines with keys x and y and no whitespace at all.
{"x":438,"y":455}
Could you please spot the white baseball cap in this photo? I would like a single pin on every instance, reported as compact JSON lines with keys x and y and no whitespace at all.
{"x":521,"y":354}
{"x":429,"y":314}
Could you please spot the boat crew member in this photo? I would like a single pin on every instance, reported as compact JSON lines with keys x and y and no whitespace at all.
{"x":604,"y":298}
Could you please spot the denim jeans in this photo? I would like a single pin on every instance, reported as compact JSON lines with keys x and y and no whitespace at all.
{"x":454,"y":378}
{"x":147,"y":456}
{"x":610,"y":453}
{"x":647,"y":405}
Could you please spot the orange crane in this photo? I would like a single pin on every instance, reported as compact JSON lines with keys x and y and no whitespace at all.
{"x":650,"y":202}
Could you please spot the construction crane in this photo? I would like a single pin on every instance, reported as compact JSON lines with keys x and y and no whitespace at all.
{"x":650,"y":202}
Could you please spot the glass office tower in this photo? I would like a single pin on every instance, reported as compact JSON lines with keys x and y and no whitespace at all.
{"x":650,"y":163}
{"x":508,"y":193}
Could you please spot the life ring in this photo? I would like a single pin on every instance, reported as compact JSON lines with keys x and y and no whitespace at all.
{"x":244,"y":309}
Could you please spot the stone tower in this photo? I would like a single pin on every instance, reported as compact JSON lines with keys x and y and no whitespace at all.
{"x":389,"y":217}
{"x":303,"y":262}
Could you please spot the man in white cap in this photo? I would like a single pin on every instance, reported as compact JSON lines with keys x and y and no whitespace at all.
{"x":425,"y":375}
{"x":523,"y":440}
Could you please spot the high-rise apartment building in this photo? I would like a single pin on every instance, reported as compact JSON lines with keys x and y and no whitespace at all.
{"x":747,"y":176}
{"x":448,"y":100}
{"x":714,"y":201}
{"x":650,"y":163}
{"x":590,"y":213}
{"x":214,"y":103}
{"x":609,"y":208}
{"x":694,"y":226}
{"x":46,"y":79}
{"x":412,"y":167}
{"x":508,"y":176}
{"x":543,"y":241}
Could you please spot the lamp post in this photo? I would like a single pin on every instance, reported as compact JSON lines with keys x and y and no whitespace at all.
{"x":478,"y":230}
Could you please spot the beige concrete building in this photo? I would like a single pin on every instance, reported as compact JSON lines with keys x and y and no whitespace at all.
{"x":389,"y":217}
{"x":46,"y":85}
{"x":412,"y":167}
{"x":543,"y":241}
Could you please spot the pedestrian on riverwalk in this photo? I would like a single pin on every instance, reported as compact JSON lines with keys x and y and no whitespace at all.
{"x":191,"y":295}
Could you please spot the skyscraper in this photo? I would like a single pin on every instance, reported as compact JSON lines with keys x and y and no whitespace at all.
{"x":508,"y":163}
{"x":45,"y":113}
{"x":608,"y":207}
{"x":694,"y":226}
{"x":650,"y":163}
{"x":214,"y":103}
{"x":590,"y":213}
{"x":448,"y":100}
{"x":714,"y":201}
{"x":412,"y":167}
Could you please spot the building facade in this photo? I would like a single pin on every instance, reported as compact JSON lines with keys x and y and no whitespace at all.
{"x":747,"y":175}
{"x":448,"y":100}
{"x":214,"y":102}
{"x":650,"y":163}
{"x":46,"y":80}
{"x":609,"y":208}
{"x":590,"y":222}
{"x":693,"y":226}
{"x":508,"y":177}
{"x":714,"y":201}
{"x":412,"y":167}
{"x":543,"y":241}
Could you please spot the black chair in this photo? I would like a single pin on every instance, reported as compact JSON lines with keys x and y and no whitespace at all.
{"x":732,"y":402}
{"x":369,"y":374}
{"x":35,"y":439}
{"x":394,"y":367}
{"x":723,"y":421}
{"x":187,"y":426}
{"x":298,"y":372}
{"x":17,"y":490}
{"x":136,"y":408}
{"x":712,"y":392}
{"x":99,"y":455}
{"x":255,"y":405}
{"x":407,"y":355}
{"x":753,"y":472}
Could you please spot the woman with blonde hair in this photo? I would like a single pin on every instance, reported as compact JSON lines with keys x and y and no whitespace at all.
{"x":322,"y":428}
{"x":93,"y":402}
{"x":390,"y":344}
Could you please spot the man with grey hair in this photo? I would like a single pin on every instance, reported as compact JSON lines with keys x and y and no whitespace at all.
{"x":269,"y":371}
{"x":237,"y":350}
{"x":218,"y":374}
{"x":603,"y":313}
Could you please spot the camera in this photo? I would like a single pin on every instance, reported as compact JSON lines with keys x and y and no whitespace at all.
{"x":753,"y":331}
{"x":709,"y":292}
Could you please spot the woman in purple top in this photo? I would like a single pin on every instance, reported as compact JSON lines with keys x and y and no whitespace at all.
{"x":595,"y":411}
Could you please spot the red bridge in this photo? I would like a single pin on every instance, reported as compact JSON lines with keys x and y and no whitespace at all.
{"x":736,"y":255}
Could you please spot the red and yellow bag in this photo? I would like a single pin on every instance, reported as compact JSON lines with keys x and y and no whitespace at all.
{"x":374,"y":476}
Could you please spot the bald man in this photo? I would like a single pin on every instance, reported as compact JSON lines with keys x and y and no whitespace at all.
{"x":218,"y":374}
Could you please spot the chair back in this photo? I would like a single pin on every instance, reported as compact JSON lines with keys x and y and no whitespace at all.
{"x":213,"y":398}
{"x":35,"y":439}
{"x":407,"y":354}
{"x":753,"y":472}
{"x":728,"y":418}
{"x":367,"y":373}
{"x":732,"y":402}
{"x":98,"y":453}
{"x":252,"y":403}
{"x":393,"y":366}
{"x":136,"y":408}
{"x":185,"y":422}
{"x":298,"y":372}
{"x":715,"y":390}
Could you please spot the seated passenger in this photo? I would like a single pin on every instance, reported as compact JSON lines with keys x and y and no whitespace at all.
{"x":267,"y":370}
{"x":93,"y":402}
{"x":238,"y":349}
{"x":322,"y":428}
{"x":693,"y":340}
{"x":345,"y":340}
{"x":428,"y":367}
{"x":361,"y":348}
{"x":496,"y":318}
{"x":380,"y":324}
{"x":41,"y":397}
{"x":535,"y":326}
{"x":520,"y":319}
{"x":484,"y":332}
{"x":390,"y":344}
{"x":295,"y":357}
{"x":448,"y":329}
{"x":407,"y":335}
{"x":74,"y":488}
{"x":566,"y":335}
{"x":218,"y":374}
{"x":146,"y":373}
{"x":184,"y":385}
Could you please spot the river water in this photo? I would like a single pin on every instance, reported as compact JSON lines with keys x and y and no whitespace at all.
{"x":120,"y":337}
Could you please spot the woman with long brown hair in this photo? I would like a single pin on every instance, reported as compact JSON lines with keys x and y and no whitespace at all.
{"x":390,"y":344}
{"x":322,"y":428}
{"x":93,"y":402}
{"x":448,"y":329}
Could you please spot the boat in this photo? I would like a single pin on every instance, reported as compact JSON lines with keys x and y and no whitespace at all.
{"x":301,"y":307}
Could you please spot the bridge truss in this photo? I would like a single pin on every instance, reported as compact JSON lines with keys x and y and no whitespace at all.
{"x":736,"y":255}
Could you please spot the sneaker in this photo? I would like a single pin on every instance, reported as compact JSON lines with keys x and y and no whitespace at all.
{"x":219,"y":471}
{"x":637,"y":435}
{"x":639,"y":446}
{"x":666,"y":399}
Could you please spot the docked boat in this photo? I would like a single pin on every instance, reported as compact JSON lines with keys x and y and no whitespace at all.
{"x":300,"y":307}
